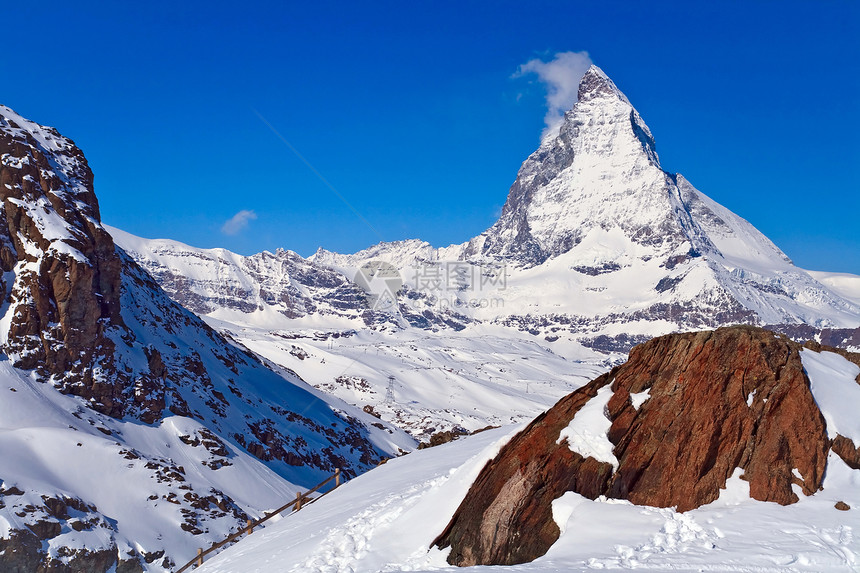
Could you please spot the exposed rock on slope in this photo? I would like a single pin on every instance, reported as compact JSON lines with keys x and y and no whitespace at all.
{"x":681,"y":414}
{"x":65,"y":289}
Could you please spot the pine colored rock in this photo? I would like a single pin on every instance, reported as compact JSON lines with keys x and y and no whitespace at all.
{"x":717,"y":400}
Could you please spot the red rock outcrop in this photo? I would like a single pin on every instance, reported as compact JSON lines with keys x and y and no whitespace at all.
{"x":736,"y":397}
{"x":515,"y":491}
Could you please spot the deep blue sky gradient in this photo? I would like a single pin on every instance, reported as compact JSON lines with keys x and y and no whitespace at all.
{"x":410,"y":110}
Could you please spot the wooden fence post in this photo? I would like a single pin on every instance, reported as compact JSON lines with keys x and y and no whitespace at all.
{"x":337,"y":477}
{"x":250,"y":528}
{"x":298,"y":500}
{"x":199,"y":557}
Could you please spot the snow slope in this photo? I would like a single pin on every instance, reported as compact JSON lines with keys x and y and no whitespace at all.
{"x":138,"y":484}
{"x":386,"y":520}
{"x":428,"y":382}
{"x":845,"y":285}
{"x":131,"y":432}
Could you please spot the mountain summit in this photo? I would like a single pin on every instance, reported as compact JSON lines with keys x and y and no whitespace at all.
{"x":594,"y":199}
{"x":600,"y":172}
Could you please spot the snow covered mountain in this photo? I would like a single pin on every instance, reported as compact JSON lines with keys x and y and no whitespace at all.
{"x":131,"y":432}
{"x":119,"y":403}
{"x":603,"y":245}
{"x":596,"y":243}
{"x":597,"y":248}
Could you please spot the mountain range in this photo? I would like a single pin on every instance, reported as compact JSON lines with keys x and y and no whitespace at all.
{"x":597,"y":249}
{"x":157,"y":395}
{"x":595,"y":243}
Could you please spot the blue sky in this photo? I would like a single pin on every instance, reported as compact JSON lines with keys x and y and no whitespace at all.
{"x":412,"y":112}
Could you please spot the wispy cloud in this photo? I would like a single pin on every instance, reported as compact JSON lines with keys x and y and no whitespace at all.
{"x":561,"y":75}
{"x":238,"y":222}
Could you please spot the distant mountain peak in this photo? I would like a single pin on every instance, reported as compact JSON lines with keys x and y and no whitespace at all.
{"x":596,"y":84}
{"x":601,"y":170}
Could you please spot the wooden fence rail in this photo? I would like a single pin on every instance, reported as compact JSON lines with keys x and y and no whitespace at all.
{"x":302,"y":499}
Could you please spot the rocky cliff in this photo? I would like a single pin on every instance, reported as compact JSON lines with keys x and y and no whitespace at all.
{"x":665,"y":429}
{"x":62,"y":274}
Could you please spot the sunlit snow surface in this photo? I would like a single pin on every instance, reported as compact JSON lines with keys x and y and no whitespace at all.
{"x":386,"y":519}
{"x":836,"y":391}
{"x":426,"y":382}
{"x":587,"y":432}
{"x":53,"y":445}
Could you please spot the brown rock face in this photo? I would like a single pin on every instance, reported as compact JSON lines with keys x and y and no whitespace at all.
{"x":845,"y":449}
{"x":718,"y":400}
{"x":67,"y":273}
{"x":506,"y":517}
{"x":687,"y":439}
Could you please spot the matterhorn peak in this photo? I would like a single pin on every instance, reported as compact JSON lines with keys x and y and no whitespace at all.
{"x":600,"y":171}
{"x":596,"y":84}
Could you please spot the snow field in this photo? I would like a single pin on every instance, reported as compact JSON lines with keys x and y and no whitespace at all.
{"x":385,"y":520}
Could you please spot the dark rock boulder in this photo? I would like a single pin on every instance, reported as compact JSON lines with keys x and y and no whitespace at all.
{"x":734,"y":397}
{"x":737,"y":397}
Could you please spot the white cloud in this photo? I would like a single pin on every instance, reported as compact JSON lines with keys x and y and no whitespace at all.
{"x":238,"y":222}
{"x":561,"y":75}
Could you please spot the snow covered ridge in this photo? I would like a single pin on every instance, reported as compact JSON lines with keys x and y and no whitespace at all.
{"x":596,"y":243}
{"x":131,"y":432}
{"x":752,"y":501}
